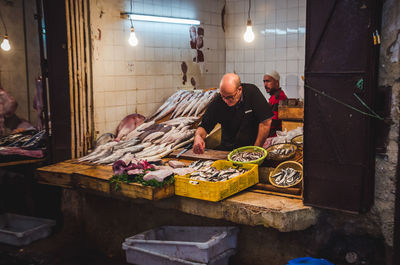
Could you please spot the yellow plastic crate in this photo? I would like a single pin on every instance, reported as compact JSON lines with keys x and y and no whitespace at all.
{"x":216,"y":191}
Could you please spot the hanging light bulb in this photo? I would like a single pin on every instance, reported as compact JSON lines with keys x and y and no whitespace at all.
{"x":249,"y":34}
{"x":5,"y":45}
{"x":133,"y":41}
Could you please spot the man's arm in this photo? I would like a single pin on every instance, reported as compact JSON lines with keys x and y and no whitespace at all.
{"x":263,"y":132}
{"x":199,"y":145}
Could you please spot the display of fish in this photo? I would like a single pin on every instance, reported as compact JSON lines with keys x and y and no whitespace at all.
{"x":14,"y":139}
{"x":153,"y":136}
{"x":172,"y":99}
{"x":203,"y":98}
{"x":99,"y":151}
{"x":193,"y":101}
{"x":161,"y":138}
{"x":205,"y":172}
{"x":282,"y":151}
{"x":246,"y":156}
{"x":118,"y":154}
{"x":203,"y":104}
{"x":36,"y":142}
{"x":286,"y":177}
{"x":199,"y":164}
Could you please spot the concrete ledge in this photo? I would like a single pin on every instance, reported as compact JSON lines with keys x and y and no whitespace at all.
{"x":250,"y":208}
{"x":247,"y":207}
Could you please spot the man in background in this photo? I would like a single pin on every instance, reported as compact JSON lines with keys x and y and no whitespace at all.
{"x":271,"y":84}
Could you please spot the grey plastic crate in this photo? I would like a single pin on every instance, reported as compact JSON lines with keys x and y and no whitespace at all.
{"x":19,"y":230}
{"x":140,"y":256}
{"x":192,"y":243}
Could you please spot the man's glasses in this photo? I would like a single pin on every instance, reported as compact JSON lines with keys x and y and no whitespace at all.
{"x":266,"y":80}
{"x":229,"y":98}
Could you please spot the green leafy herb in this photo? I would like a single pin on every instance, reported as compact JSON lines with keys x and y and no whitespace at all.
{"x":125,"y":178}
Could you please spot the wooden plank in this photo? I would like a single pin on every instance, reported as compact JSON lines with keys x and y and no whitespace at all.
{"x":134,"y":190}
{"x":291,"y":113}
{"x":291,"y":125}
{"x":64,"y":168}
{"x":255,"y":189}
{"x":89,"y":183}
{"x":21,"y":162}
{"x":59,"y":174}
{"x":296,"y":190}
{"x":95,"y":178}
{"x":209,"y":154}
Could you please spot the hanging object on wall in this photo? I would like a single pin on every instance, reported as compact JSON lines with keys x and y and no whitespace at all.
{"x":249,"y":34}
{"x":133,"y":41}
{"x":5,"y":45}
{"x":184,"y":69}
{"x":196,"y":42}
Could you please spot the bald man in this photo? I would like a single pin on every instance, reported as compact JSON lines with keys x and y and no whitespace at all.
{"x":243,"y":112}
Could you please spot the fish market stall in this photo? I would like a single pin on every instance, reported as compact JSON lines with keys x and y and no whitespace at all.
{"x":137,"y":142}
{"x":151,"y":159}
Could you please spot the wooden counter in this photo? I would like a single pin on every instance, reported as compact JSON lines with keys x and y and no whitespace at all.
{"x":71,"y":174}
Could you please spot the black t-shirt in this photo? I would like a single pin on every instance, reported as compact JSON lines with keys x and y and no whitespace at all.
{"x":240,"y":122}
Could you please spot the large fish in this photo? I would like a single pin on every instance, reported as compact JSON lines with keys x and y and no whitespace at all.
{"x":105,"y":138}
{"x":193,"y":102}
{"x":181,"y":106}
{"x":203,"y":104}
{"x":153,"y":136}
{"x":99,"y":150}
{"x":128,"y":124}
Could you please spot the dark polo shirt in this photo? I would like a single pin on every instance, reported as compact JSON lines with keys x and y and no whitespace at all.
{"x":240,"y":122}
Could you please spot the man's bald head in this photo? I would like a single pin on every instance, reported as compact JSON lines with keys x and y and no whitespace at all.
{"x":229,"y":82}
{"x":230,"y":88}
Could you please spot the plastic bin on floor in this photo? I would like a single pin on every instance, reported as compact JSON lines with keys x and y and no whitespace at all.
{"x":141,"y":256}
{"x":199,"y":244}
{"x":19,"y":230}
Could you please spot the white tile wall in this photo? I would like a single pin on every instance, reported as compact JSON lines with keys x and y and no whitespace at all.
{"x":138,"y":79}
{"x":279,"y":28}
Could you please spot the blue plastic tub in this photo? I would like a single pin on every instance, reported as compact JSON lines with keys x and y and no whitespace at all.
{"x":309,"y":261}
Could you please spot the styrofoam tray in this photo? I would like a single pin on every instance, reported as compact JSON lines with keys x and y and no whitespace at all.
{"x":195,"y":243}
{"x":19,"y":230}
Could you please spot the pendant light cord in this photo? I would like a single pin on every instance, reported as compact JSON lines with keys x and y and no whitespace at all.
{"x":248,"y":17}
{"x":131,"y":12}
{"x":4,"y":24}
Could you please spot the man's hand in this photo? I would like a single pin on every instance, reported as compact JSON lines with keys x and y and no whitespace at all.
{"x":198,"y":144}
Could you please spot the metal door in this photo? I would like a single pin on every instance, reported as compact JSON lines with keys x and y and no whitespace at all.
{"x":338,"y":140}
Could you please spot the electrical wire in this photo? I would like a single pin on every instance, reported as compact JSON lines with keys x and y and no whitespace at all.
{"x":4,"y":24}
{"x":131,"y":12}
{"x":374,"y":115}
{"x":248,"y":15}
